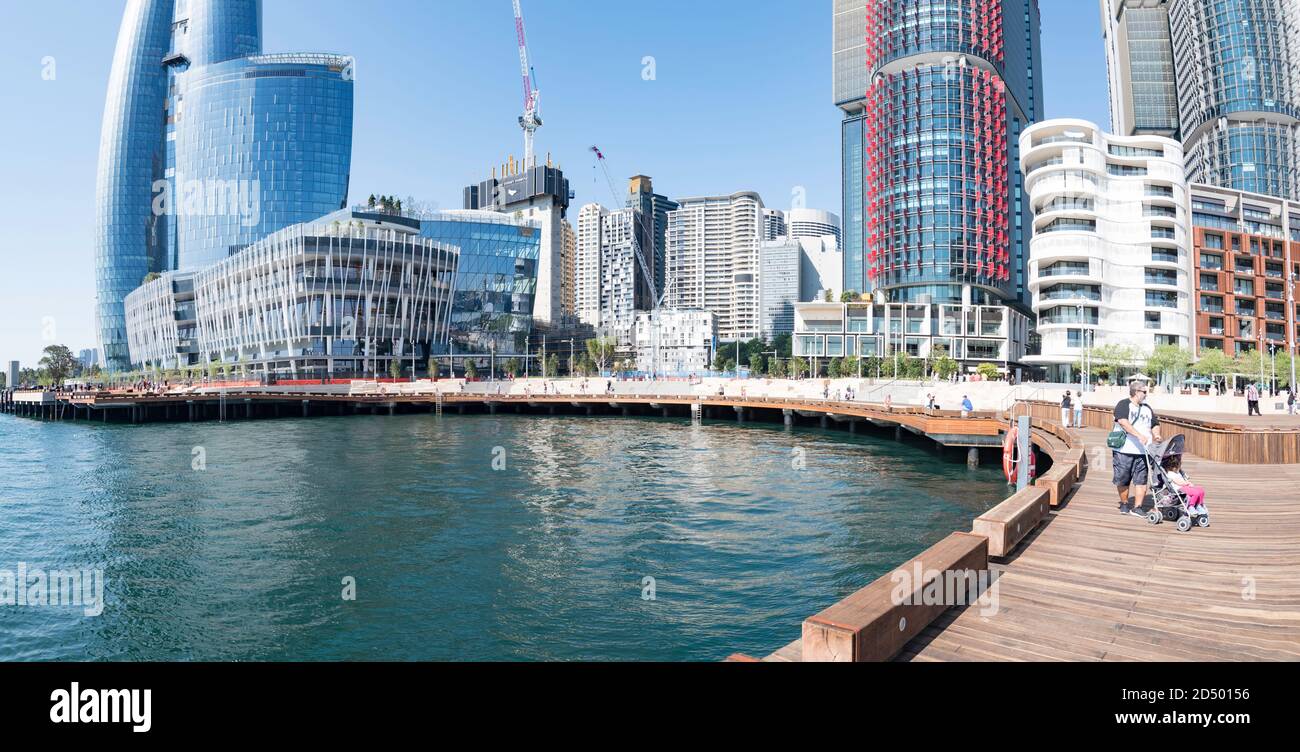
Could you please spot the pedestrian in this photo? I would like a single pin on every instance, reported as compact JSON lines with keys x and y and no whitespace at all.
{"x":966,"y":407}
{"x":1252,"y":400}
{"x":1136,"y":426}
{"x":1290,"y":400}
{"x":1066,"y":409}
{"x":1078,"y":411}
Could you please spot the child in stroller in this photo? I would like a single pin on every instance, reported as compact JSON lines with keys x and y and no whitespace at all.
{"x":1176,"y":497}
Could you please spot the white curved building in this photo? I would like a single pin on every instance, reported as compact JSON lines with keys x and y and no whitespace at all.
{"x":812,"y":223}
{"x":1110,"y":259}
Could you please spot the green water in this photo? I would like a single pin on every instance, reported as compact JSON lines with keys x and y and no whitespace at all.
{"x":543,"y":555}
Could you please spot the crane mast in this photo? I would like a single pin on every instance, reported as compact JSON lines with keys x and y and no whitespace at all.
{"x":530,"y":121}
{"x":637,"y":251}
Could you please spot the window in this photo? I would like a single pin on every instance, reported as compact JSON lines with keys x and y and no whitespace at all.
{"x":1209,"y":282}
{"x":1074,"y":338}
{"x":1243,"y":286}
{"x":1163,"y":232}
{"x":1212,"y":303}
{"x":1166,"y":339}
{"x":1211,"y":261}
{"x":1162,"y":299}
{"x":1246,"y":307}
{"x":1153,"y":319}
{"x":1216,"y":325}
{"x":1161,"y":276}
{"x":1214,"y":241}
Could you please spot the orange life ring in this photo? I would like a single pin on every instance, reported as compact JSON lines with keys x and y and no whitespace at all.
{"x":1009,"y":459}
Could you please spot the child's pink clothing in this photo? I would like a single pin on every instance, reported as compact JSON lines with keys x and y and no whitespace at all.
{"x":1195,"y":495}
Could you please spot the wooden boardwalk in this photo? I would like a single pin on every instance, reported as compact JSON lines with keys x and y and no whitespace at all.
{"x":1093,"y":585}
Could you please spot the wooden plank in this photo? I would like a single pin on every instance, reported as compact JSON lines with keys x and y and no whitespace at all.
{"x":875,"y":623}
{"x":1006,"y":524}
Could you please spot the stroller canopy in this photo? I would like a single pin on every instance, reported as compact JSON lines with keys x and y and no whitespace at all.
{"x":1169,"y":448}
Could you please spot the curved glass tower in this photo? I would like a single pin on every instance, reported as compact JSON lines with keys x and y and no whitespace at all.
{"x":1238,"y":70}
{"x":209,"y":145}
{"x":263,"y":143}
{"x":952,"y":84}
{"x":130,"y":159}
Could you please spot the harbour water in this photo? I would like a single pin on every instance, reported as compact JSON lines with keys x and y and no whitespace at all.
{"x":466,"y":537}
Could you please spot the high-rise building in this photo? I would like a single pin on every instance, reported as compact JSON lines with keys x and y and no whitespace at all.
{"x":189,"y":171}
{"x":713,"y":260}
{"x":1140,"y":57}
{"x":1246,"y":249}
{"x":568,"y":261}
{"x":813,"y":223}
{"x":773,"y":224}
{"x":611,"y":285}
{"x":1238,"y":69}
{"x":654,"y":208}
{"x":13,"y":375}
{"x":1110,"y":261}
{"x":539,"y":194}
{"x":778,"y":274}
{"x":675,"y":341}
{"x":946,"y":87}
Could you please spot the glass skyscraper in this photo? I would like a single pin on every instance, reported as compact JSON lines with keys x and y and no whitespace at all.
{"x":1140,"y":55}
{"x":950,"y":84}
{"x":1237,"y":64}
{"x":130,"y":159}
{"x":209,"y":145}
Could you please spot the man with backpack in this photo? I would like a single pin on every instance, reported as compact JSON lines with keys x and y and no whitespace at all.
{"x":1136,"y":426}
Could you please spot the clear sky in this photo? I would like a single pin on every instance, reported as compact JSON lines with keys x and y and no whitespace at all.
{"x":740,"y":100}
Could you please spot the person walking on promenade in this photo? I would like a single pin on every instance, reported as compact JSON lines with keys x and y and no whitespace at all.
{"x":1078,"y":411}
{"x":1252,"y":400}
{"x":1139,"y":426}
{"x":966,"y":407}
{"x":1290,"y":400}
{"x":1066,"y":406}
{"x":889,"y":403}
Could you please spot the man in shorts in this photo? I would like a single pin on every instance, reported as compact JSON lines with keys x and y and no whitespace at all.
{"x":1139,"y":421}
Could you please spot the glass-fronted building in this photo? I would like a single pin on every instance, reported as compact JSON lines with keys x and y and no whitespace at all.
{"x":265,"y":142}
{"x":130,"y":160}
{"x":1140,"y":58}
{"x":1238,"y":70}
{"x":209,"y":146}
{"x":952,"y":85}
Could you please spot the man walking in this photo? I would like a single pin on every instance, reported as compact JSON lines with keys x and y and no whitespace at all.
{"x":1141,"y":427}
{"x":1252,"y":400}
{"x":1065,"y":409}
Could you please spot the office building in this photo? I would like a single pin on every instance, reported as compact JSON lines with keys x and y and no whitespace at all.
{"x":189,"y":172}
{"x":568,"y":262}
{"x":13,"y":382}
{"x":611,"y":284}
{"x":1110,"y":261}
{"x":779,"y":267}
{"x":1140,"y":58}
{"x":540,"y":195}
{"x":935,"y":213}
{"x":773,"y":224}
{"x":813,"y":223}
{"x":1238,"y":69}
{"x":713,"y":260}
{"x":654,"y":208}
{"x":1246,"y":249}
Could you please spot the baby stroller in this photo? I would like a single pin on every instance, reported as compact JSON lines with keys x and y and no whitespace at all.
{"x":1170,"y":503}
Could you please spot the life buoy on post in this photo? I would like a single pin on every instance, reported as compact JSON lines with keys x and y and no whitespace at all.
{"x":1010,"y":462}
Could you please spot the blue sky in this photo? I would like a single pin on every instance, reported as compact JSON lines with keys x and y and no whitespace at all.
{"x":741,"y":100}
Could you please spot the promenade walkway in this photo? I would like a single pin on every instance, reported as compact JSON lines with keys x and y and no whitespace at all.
{"x":1094,"y":585}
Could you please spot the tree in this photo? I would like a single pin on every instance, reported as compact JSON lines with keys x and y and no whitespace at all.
{"x":729,"y":366}
{"x":798,"y":367}
{"x":945,"y":367}
{"x":433,"y":367}
{"x":151,"y":276}
{"x":848,"y":296}
{"x":552,"y":366}
{"x":1169,"y":364}
{"x":987,"y":371}
{"x":783,"y":344}
{"x":58,"y":363}
{"x":394,"y":368}
{"x":511,"y":367}
{"x":243,"y":365}
{"x":836,"y":368}
{"x":871,"y":366}
{"x":471,"y":370}
{"x":601,"y":351}
{"x":830,"y":296}
{"x":755,"y":363}
{"x":776,"y":368}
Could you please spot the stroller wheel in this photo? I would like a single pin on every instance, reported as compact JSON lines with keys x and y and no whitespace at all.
{"x":1171,"y":514}
{"x":1184,"y":524}
{"x":1203,"y":520}
{"x":1153,"y":517}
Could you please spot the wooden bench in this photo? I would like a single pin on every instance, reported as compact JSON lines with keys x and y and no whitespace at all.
{"x":1058,"y":481}
{"x":1006,"y":524}
{"x":874,"y":623}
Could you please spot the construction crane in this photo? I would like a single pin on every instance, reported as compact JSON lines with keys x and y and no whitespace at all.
{"x":646,"y":269}
{"x":530,"y":121}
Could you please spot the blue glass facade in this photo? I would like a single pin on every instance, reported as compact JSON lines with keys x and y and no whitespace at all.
{"x":496,"y":280}
{"x":953,"y":84}
{"x":263,"y":143}
{"x":130,"y":159}
{"x":1238,"y":100}
{"x":851,"y":191}
{"x":208,"y":145}
{"x":213,"y":32}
